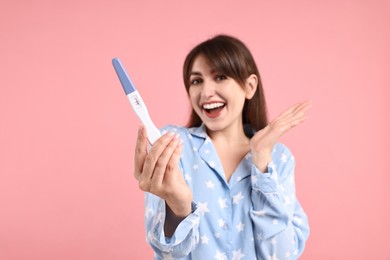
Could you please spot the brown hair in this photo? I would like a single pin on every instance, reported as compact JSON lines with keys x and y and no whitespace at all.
{"x":231,"y":57}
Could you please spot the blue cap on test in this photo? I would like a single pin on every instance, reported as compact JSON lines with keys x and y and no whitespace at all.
{"x":125,"y":80}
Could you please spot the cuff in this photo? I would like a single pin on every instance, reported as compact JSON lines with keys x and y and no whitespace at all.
{"x":183,"y":230}
{"x":186,"y":225}
{"x":264,"y":182}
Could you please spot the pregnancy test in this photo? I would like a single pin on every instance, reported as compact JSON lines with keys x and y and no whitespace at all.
{"x":136,"y":101}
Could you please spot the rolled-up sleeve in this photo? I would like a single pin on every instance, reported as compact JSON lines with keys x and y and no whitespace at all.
{"x":185,"y":237}
{"x":278,"y":218}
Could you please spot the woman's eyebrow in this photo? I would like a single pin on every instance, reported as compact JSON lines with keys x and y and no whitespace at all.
{"x":195,"y":73}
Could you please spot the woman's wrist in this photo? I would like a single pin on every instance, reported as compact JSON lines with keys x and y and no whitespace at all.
{"x":179,"y":211}
{"x":262,"y":162}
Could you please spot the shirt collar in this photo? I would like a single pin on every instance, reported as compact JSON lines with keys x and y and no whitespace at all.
{"x":199,"y":131}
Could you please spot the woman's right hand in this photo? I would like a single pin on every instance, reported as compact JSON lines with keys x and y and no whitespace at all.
{"x":157,"y":171}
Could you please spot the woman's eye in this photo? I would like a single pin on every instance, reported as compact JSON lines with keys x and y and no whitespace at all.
{"x":195,"y":81}
{"x":221,"y":77}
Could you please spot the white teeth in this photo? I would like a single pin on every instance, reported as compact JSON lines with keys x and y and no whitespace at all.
{"x":212,"y":105}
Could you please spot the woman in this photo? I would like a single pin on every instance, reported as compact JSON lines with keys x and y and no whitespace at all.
{"x":223,"y":187}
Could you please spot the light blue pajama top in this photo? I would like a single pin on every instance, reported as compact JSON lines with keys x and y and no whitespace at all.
{"x":253,"y":216}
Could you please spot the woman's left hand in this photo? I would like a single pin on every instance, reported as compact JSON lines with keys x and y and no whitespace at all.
{"x":262,"y":143}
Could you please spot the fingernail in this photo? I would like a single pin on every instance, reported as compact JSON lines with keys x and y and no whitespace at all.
{"x":177,"y":139}
{"x":178,"y":143}
{"x":170,"y":134}
{"x":141,"y":129}
{"x":180,"y":146}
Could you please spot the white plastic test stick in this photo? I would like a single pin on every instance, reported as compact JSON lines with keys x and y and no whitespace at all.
{"x":136,"y":101}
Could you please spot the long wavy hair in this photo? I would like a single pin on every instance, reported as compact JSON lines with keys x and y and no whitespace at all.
{"x":231,"y":57}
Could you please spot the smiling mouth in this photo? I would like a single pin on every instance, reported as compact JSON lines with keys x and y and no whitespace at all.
{"x":213,"y":109}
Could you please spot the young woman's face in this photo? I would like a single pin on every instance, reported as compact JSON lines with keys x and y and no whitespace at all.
{"x":217,"y":99}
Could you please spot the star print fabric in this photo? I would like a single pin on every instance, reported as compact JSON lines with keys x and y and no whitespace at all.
{"x":253,"y":216}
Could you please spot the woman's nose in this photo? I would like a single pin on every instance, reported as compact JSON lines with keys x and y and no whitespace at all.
{"x":208,"y":89}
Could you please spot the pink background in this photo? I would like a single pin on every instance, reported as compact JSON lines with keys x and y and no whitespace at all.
{"x":67,"y":131}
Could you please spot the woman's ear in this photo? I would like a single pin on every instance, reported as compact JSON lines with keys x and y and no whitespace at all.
{"x":251,"y":86}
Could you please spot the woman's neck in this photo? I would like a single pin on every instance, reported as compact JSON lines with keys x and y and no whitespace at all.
{"x":232,"y":136}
